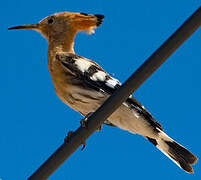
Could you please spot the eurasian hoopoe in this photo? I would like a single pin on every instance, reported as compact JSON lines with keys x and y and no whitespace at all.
{"x":83,"y":85}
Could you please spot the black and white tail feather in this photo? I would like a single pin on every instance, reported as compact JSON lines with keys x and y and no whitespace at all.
{"x":173,"y":150}
{"x":94,"y":78}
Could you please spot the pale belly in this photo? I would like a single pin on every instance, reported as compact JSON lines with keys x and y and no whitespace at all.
{"x":85,"y":102}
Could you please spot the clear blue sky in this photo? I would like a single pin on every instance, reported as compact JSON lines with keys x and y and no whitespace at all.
{"x":34,"y":121}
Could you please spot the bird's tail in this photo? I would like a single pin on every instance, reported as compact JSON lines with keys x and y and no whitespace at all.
{"x":177,"y":153}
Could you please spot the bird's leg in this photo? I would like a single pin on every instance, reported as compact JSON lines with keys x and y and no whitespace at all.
{"x":66,"y":139}
{"x":83,"y":122}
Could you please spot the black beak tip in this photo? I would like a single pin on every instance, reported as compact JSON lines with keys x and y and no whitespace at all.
{"x":10,"y":28}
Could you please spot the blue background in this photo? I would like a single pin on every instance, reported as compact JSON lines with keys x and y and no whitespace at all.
{"x":34,"y":121}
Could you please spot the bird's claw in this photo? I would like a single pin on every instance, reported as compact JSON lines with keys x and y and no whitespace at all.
{"x":83,"y":122}
{"x":83,"y":146}
{"x":99,"y":128}
{"x":66,"y":139}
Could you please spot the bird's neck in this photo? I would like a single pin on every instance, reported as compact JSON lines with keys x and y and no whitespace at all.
{"x":59,"y":44}
{"x":62,"y":44}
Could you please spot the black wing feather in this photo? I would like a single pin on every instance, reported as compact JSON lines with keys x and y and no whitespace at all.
{"x":68,"y":61}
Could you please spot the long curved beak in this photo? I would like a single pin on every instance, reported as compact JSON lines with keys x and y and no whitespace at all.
{"x":27,"y":26}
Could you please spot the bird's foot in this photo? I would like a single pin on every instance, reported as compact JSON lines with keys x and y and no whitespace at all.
{"x":99,"y":128}
{"x":83,"y":122}
{"x":66,"y":139}
{"x":83,"y":145}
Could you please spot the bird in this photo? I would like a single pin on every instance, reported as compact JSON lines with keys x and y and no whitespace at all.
{"x":83,"y":85}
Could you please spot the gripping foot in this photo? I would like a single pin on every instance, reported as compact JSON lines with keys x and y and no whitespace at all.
{"x":83,"y":146}
{"x":99,"y":128}
{"x":83,"y":122}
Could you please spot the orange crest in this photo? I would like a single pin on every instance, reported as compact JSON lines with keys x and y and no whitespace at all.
{"x":84,"y":22}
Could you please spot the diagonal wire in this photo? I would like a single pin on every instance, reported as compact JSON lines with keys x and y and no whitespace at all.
{"x":114,"y":101}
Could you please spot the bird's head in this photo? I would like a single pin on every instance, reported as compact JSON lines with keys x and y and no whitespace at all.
{"x":64,"y":26}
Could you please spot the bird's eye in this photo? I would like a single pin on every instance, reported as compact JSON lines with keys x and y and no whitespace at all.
{"x":50,"y":21}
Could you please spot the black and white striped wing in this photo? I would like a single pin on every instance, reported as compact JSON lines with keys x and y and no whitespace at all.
{"x":97,"y":79}
{"x":89,"y":72}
